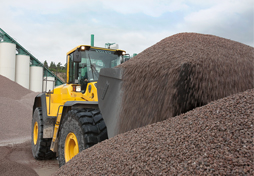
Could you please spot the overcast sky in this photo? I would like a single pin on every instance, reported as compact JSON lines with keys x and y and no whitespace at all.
{"x":48,"y":29}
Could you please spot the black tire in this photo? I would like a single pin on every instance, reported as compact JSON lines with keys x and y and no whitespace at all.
{"x":88,"y":127}
{"x":41,"y":148}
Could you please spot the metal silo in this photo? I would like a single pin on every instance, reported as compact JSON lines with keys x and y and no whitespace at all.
{"x":23,"y":70}
{"x":36,"y":76}
{"x":48,"y":83}
{"x":7,"y":60}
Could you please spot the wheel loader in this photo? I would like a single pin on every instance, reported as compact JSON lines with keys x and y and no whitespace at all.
{"x":71,"y":117}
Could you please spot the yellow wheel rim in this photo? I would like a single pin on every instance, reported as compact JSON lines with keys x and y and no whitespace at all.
{"x":35,"y":134}
{"x":71,"y":147}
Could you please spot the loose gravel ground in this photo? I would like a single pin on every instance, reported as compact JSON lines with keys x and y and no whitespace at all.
{"x":17,"y":160}
{"x":215,"y":139}
{"x":10,"y":166}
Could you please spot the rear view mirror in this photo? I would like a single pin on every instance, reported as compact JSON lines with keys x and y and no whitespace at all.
{"x":77,"y":56}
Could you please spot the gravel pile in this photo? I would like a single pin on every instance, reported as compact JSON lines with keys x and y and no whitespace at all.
{"x":11,"y":89}
{"x":215,"y":139}
{"x":181,"y":72}
{"x":16,"y":103}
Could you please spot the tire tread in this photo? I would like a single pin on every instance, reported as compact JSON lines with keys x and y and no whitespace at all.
{"x":92,"y":126}
{"x":43,"y":151}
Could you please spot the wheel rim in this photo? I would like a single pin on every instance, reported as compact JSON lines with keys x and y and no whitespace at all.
{"x":71,"y":147}
{"x":35,"y":134}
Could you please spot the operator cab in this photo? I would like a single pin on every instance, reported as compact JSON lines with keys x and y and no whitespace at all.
{"x":85,"y":63}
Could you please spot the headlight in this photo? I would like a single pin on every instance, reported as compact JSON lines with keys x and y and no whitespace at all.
{"x":123,"y":53}
{"x":76,"y":88}
{"x":82,"y":47}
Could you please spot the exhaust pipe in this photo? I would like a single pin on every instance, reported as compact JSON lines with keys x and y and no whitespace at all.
{"x":92,"y":39}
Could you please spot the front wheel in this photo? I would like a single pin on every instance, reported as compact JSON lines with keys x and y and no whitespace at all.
{"x":40,"y":146}
{"x":80,"y":129}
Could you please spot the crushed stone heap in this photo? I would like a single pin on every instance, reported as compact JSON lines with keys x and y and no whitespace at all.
{"x":16,"y":104}
{"x":215,"y":139}
{"x":180,"y":73}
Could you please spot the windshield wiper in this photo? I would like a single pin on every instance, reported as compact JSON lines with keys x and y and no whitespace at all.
{"x":93,"y":68}
{"x":90,"y":65}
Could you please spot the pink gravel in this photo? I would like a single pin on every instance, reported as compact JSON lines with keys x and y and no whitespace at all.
{"x":16,"y":104}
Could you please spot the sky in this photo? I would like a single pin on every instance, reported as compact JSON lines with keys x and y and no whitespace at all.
{"x":48,"y":29}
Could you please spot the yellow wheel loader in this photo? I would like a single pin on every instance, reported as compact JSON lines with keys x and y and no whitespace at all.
{"x":68,"y":119}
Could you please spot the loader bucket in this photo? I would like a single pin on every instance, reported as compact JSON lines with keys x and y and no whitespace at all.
{"x":109,"y":88}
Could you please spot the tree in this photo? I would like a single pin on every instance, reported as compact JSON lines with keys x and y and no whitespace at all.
{"x":46,"y":64}
{"x":59,"y":66}
{"x":52,"y":65}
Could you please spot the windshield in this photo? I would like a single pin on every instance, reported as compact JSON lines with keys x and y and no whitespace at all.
{"x":93,"y":61}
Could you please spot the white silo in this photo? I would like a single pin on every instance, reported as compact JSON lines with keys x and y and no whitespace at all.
{"x":36,"y":76}
{"x":7,"y":60}
{"x":48,"y":83}
{"x":23,"y":70}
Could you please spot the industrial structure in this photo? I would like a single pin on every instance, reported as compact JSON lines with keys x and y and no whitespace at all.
{"x":17,"y":64}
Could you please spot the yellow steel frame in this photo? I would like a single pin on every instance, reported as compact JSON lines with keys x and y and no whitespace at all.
{"x":63,"y":93}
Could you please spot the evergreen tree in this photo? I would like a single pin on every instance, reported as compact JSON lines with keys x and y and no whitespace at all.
{"x":59,"y":66}
{"x":46,"y":64}
{"x":52,"y":65}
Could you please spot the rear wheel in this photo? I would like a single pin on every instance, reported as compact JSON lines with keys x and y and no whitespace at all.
{"x":40,"y":146}
{"x":80,"y":129}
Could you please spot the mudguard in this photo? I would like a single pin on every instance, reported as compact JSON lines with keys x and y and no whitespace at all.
{"x":48,"y":121}
{"x":78,"y":105}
